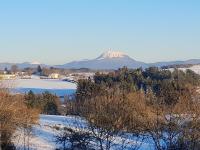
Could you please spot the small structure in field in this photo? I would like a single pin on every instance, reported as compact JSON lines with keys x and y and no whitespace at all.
{"x":54,"y":76}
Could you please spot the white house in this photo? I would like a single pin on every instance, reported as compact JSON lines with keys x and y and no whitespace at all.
{"x":54,"y":76}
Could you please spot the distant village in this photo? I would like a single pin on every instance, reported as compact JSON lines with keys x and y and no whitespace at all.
{"x":70,"y":75}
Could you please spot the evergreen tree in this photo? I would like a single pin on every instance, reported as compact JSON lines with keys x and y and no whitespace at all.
{"x":39,"y":69}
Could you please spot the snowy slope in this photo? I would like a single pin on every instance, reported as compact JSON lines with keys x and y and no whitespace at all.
{"x":195,"y":68}
{"x":43,"y":137}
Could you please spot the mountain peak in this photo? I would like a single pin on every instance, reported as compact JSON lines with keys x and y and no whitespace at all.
{"x":111,"y":54}
{"x":35,"y":63}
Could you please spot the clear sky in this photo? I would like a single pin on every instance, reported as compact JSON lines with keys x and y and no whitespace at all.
{"x":59,"y":31}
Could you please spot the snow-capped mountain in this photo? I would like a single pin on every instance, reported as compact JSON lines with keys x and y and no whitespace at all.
{"x":35,"y":63}
{"x":30,"y":64}
{"x":111,"y":54}
{"x":21,"y":65}
{"x":107,"y":60}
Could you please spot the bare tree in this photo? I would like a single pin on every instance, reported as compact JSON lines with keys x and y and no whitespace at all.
{"x":175,"y":127}
{"x":112,"y":114}
{"x":13,"y":115}
{"x":77,"y":138}
{"x":14,"y":68}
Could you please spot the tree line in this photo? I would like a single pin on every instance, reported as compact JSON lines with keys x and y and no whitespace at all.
{"x":46,"y":102}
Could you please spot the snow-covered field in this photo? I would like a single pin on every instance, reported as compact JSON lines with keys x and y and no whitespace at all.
{"x":195,"y":68}
{"x":43,"y":135}
{"x":36,"y":82}
{"x":38,"y":85}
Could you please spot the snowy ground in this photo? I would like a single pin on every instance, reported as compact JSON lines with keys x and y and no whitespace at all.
{"x":37,"y":85}
{"x":36,"y":82}
{"x":43,"y":137}
{"x":195,"y":68}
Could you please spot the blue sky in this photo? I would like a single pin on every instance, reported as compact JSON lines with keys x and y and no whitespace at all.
{"x":59,"y":31}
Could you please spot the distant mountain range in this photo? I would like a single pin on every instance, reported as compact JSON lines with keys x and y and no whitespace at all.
{"x":21,"y":65}
{"x":115,"y":60}
{"x":107,"y":60}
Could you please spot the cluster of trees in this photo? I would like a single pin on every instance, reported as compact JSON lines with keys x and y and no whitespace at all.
{"x":13,"y":69}
{"x":163,"y":83}
{"x":15,"y":115}
{"x":153,"y":104}
{"x":46,"y":102}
